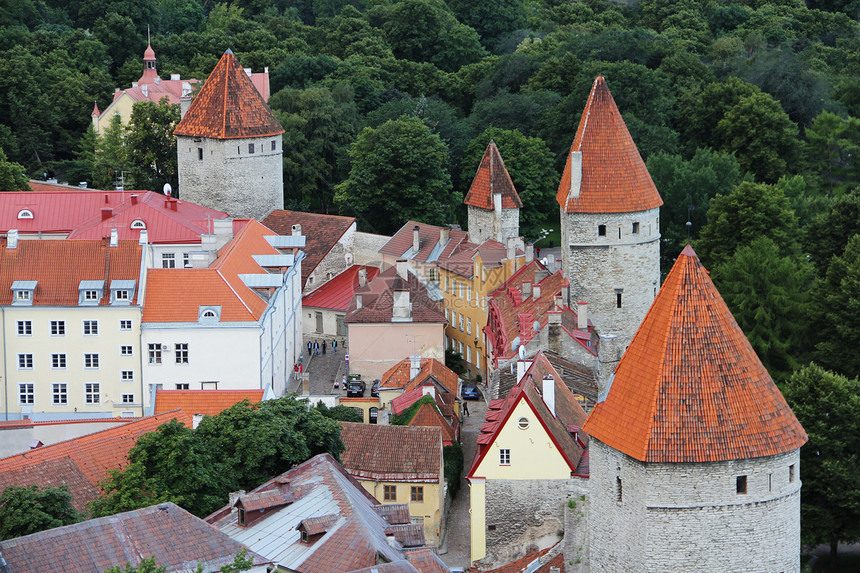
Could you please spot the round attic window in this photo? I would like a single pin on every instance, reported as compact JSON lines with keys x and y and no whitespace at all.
{"x":138,"y":224}
{"x":25,"y":214}
{"x":523,"y":423}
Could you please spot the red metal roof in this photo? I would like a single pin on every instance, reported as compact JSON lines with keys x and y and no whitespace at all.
{"x":690,"y":388}
{"x":337,"y":293}
{"x":492,"y":177}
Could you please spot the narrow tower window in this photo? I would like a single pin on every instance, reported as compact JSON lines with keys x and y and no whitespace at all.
{"x":601,"y":230}
{"x":741,"y":484}
{"x":619,"y":231}
{"x":636,"y":228}
{"x":200,"y":153}
{"x":274,"y":146}
{"x":791,"y":473}
{"x":618,"y":490}
{"x":250,"y":148}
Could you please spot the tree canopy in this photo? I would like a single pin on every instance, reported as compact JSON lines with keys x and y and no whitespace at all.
{"x":26,"y":510}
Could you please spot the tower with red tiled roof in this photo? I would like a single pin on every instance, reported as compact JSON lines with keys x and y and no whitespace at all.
{"x":492,"y":202}
{"x":694,"y":451}
{"x":229,"y":146}
{"x":610,"y":213}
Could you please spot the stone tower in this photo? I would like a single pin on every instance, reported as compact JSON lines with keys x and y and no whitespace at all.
{"x":694,"y":452}
{"x":229,"y":146}
{"x":610,"y":221}
{"x":492,"y":202}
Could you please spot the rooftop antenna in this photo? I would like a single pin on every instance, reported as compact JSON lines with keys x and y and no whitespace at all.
{"x":147,"y":35}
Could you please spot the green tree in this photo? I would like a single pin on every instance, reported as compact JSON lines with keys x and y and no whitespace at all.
{"x":152,"y":145}
{"x":768,"y":295}
{"x":26,"y":510}
{"x":840,"y":296}
{"x":828,"y":407}
{"x":700,"y":112}
{"x":750,"y":211}
{"x":832,"y":150}
{"x":340,"y":412}
{"x":13,"y":176}
{"x":398,"y":173}
{"x":828,"y":233}
{"x":109,"y":156}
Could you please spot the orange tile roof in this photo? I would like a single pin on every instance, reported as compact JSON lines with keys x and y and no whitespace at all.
{"x":207,"y":402}
{"x":81,"y":462}
{"x":399,"y":375}
{"x":60,"y":266}
{"x":492,"y":177}
{"x":614,"y":177}
{"x":392,"y":453}
{"x":228,"y":106}
{"x":690,"y":388}
{"x":429,"y":416}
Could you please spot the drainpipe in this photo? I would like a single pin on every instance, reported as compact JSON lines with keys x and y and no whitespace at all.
{"x":5,"y":361}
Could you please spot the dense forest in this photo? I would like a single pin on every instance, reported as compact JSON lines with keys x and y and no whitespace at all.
{"x":746,"y":113}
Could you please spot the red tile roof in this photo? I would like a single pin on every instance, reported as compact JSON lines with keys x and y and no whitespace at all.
{"x":492,"y":177}
{"x":614,"y":177}
{"x":690,"y":388}
{"x":60,"y":266}
{"x":522,"y":565}
{"x":81,"y":462}
{"x":392,"y":453}
{"x":207,"y":402}
{"x":322,"y":232}
{"x":429,"y":416}
{"x":430,"y":248}
{"x":568,"y":412}
{"x":426,"y":561}
{"x":400,"y":375}
{"x":377,"y":300}
{"x":337,"y":293}
{"x":228,"y":106}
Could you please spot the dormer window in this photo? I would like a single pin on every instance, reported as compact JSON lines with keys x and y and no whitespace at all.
{"x":138,"y":224}
{"x":90,"y":292}
{"x":209,"y":314}
{"x":25,"y":214}
{"x":241,"y":517}
{"x":120,"y":292}
{"x":22,"y":292}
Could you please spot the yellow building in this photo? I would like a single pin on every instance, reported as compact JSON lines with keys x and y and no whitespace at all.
{"x":400,"y":464}
{"x":71,"y":328}
{"x":531,"y":444}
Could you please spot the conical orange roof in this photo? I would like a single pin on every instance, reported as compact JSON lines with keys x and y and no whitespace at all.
{"x":228,"y":106}
{"x":614,"y":177}
{"x":690,"y":388}
{"x":492,"y":177}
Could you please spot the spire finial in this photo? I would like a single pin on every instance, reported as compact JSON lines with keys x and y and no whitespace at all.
{"x":147,"y":34}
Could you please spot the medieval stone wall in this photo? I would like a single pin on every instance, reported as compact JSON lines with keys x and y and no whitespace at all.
{"x":338,"y":259}
{"x":366,"y":248}
{"x":231,"y":178}
{"x":481,"y":224}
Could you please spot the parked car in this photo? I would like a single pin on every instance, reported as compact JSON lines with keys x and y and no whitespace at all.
{"x":470,"y":392}
{"x":355,"y":388}
{"x":374,"y":390}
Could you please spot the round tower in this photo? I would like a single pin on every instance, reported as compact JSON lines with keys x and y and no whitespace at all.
{"x":229,"y":147}
{"x":694,"y":453}
{"x":610,"y":221}
{"x":492,"y":203}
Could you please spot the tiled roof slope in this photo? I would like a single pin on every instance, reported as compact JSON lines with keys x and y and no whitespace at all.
{"x":568,"y":413}
{"x":614,"y":177}
{"x":429,"y":416}
{"x":492,"y":177}
{"x":322,"y":231}
{"x":81,"y":462}
{"x":530,"y":563}
{"x":337,"y":293}
{"x":690,"y":388}
{"x":60,"y":266}
{"x":427,"y":561}
{"x":430,"y":247}
{"x":228,"y":106}
{"x":377,"y":299}
{"x":207,"y":402}
{"x":399,"y":375}
{"x":392,"y":453}
{"x":177,"y":539}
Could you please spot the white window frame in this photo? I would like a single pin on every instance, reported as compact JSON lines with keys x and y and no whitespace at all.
{"x":154,"y":350}
{"x":504,"y":456}
{"x":91,"y":361}
{"x":59,"y":394}
{"x":168,"y":260}
{"x":25,"y":361}
{"x":90,"y":327}
{"x":58,"y":328}
{"x":125,"y":325}
{"x":127,"y":399}
{"x":180,"y":350}
{"x":126,"y":375}
{"x":26,"y":393}
{"x":91,"y":295}
{"x":126,"y":350}
{"x":92,"y":393}
{"x":59,"y":361}
{"x":25,"y":328}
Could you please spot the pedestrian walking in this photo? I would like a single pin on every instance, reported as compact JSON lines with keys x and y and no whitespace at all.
{"x":466,"y":408}
{"x":309,"y":347}
{"x":334,"y":346}
{"x":323,"y":346}
{"x":316,"y":348}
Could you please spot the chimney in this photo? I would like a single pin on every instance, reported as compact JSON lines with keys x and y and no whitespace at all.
{"x":107,"y":199}
{"x":357,"y":301}
{"x":402,"y":269}
{"x":184,"y":104}
{"x":362,"y":277}
{"x":114,"y":238}
{"x":174,"y":77}
{"x":144,"y":89}
{"x":549,"y":393}
{"x":134,"y":197}
{"x":536,"y":291}
{"x":144,"y":238}
{"x":248,"y":71}
{"x":522,"y":368}
{"x":223,"y":231}
{"x":444,"y":235}
{"x":12,"y":239}
{"x":530,"y":253}
{"x":195,"y":421}
{"x":234,"y":497}
{"x":511,"y":249}
{"x":582,"y":315}
{"x":565,"y":294}
{"x":416,"y":239}
{"x":414,"y":366}
{"x":107,"y":213}
{"x":554,"y":332}
{"x":527,"y":290}
{"x":402,"y":309}
{"x":297,"y":229}
{"x":575,"y":173}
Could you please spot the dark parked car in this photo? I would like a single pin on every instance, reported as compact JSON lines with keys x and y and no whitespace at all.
{"x":355,"y":388}
{"x":470,"y":392}
{"x":374,"y":390}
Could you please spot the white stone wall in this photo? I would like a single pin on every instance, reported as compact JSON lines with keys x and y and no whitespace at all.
{"x":689,"y":517}
{"x":338,"y":259}
{"x":366,"y":248}
{"x":229,"y":178}
{"x":481,"y":224}
{"x":599,"y":267}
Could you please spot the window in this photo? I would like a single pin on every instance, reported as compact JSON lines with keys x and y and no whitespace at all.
{"x":91,"y":361}
{"x":209,"y":385}
{"x":199,"y":154}
{"x":791,"y":473}
{"x":274,"y":145}
{"x":250,"y":148}
{"x":58,"y":360}
{"x":446,"y":284}
{"x":58,"y":328}
{"x":432,"y":274}
{"x":619,"y":231}
{"x":168,"y":261}
{"x":125,"y":325}
{"x":183,"y":386}
{"x":468,"y":326}
{"x":417,"y":493}
{"x":186,"y":261}
{"x":636,"y":227}
{"x":155,"y":353}
{"x":25,"y":214}
{"x":461,"y":323}
{"x":619,"y":490}
{"x":469,"y":293}
{"x":182,"y":353}
{"x":138,"y":224}
{"x":504,"y":457}
{"x":121,"y":295}
{"x":448,"y":315}
{"x":23,"y":295}
{"x":209,"y":314}
{"x":25,"y":328}
{"x":617,"y":300}
{"x":601,"y":230}
{"x":26,"y":394}
{"x":389,"y":493}
{"x":769,"y":482}
{"x":128,"y":398}
{"x":91,"y":393}
{"x":91,"y":327}
{"x":25,"y":362}
{"x":741,"y":484}
{"x":59,"y":394}
{"x":468,"y":354}
{"x":126,"y":375}
{"x":523,"y":423}
{"x":126,"y":350}
{"x":91,"y":295}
